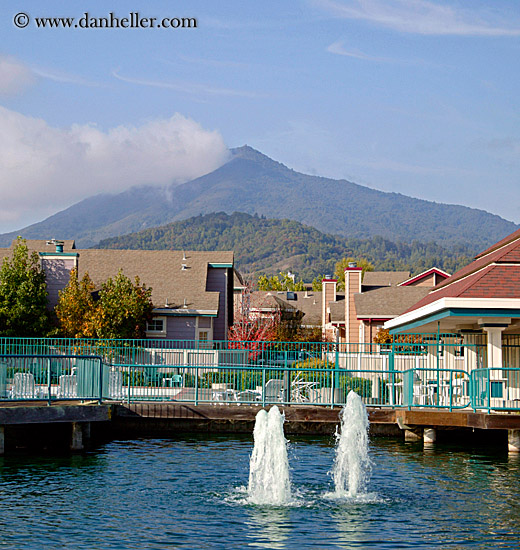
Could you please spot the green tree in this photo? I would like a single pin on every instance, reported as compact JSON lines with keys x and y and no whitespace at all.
{"x":284,"y":281}
{"x":23,"y":294}
{"x":76,"y":307}
{"x":317,"y":284}
{"x":339,"y":271}
{"x":123,"y":309}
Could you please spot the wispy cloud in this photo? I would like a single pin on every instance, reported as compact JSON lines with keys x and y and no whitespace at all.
{"x":15,"y":76}
{"x":188,"y":87}
{"x":338,"y":48}
{"x":65,"y":78}
{"x":423,"y":17}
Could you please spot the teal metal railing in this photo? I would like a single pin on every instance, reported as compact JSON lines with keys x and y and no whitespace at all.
{"x":495,"y":389}
{"x":440,"y":371}
{"x":52,"y":377}
{"x":436,"y":388}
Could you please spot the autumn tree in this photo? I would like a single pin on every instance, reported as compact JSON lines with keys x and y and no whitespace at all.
{"x":76,"y":307}
{"x":123,"y":308}
{"x":23,"y":294}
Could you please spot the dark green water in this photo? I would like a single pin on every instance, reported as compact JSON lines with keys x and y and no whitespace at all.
{"x":189,"y":493}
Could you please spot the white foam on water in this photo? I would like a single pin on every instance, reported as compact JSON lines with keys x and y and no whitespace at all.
{"x":269,"y":481}
{"x":352,"y":465}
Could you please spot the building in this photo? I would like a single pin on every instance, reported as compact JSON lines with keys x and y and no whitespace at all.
{"x":480,"y":303}
{"x":356,"y":315}
{"x":192,"y":292}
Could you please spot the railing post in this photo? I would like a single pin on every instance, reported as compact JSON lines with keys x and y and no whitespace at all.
{"x":488,"y":390}
{"x":130,"y":378}
{"x":49,"y":400}
{"x":100,"y":381}
{"x":391,"y":369}
{"x":196,"y":382}
{"x":263,"y":386}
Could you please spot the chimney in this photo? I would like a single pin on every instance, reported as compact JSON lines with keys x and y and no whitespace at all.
{"x":352,"y":286}
{"x":328,"y":287}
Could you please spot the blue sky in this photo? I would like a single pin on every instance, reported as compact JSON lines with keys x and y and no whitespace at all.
{"x":413,"y":96}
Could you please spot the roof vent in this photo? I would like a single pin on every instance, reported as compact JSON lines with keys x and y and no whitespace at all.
{"x":184,"y":267}
{"x":185,"y":305}
{"x":59,"y":245}
{"x":184,"y":256}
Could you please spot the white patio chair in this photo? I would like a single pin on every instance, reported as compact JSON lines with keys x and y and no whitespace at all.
{"x":115,"y":385}
{"x":422,"y":393}
{"x":273,"y":391}
{"x":67,"y":386}
{"x":23,"y":386}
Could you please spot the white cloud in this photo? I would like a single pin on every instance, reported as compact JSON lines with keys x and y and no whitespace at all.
{"x":45,"y":169}
{"x":423,"y":17}
{"x":14,"y":76}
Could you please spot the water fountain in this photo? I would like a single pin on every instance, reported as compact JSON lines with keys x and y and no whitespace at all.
{"x":352,"y":464}
{"x":269,"y":481}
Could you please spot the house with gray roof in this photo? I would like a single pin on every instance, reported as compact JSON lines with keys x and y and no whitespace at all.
{"x":356,"y":315}
{"x":192,"y":292}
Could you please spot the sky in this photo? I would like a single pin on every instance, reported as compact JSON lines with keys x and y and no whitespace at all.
{"x":411,"y":96}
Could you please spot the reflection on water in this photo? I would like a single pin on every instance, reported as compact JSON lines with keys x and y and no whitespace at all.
{"x":268,"y":527}
{"x":181,"y":493}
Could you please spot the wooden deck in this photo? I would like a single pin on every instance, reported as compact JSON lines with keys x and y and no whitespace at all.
{"x":168,"y":419}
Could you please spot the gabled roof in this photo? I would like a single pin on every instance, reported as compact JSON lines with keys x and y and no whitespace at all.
{"x":490,"y":285}
{"x":387,"y":302}
{"x":506,"y":240}
{"x":417,"y":278}
{"x":163,"y":271}
{"x":492,"y":275}
{"x":172,"y":286}
{"x":307,"y":302}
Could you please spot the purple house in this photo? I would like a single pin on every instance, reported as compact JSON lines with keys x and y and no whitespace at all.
{"x":192,"y":292}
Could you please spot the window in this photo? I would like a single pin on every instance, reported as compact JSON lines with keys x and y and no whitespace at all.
{"x":156,"y":327}
{"x":204,"y":329}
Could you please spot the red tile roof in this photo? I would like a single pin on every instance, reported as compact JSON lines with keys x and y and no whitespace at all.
{"x":495,"y":273}
{"x":506,"y":240}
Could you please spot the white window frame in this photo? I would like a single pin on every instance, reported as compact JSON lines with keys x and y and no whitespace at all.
{"x":199,"y":330}
{"x":157,"y":333}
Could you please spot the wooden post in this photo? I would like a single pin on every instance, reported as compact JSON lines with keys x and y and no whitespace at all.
{"x":76,"y":441}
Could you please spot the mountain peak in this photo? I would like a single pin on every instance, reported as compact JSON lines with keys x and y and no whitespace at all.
{"x":247,"y":152}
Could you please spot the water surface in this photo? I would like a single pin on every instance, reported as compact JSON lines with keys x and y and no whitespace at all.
{"x":191,"y":493}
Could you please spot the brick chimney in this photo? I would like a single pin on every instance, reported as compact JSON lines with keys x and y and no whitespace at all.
{"x":352,"y":286}
{"x":328,"y":287}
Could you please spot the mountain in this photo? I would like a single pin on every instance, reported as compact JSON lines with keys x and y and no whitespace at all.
{"x":253,"y":183}
{"x":271,"y":245}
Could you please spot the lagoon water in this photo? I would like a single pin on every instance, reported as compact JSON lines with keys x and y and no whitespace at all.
{"x":191,"y":492}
